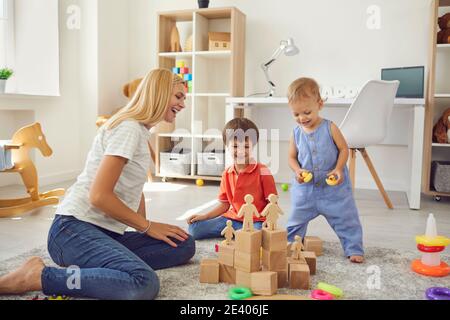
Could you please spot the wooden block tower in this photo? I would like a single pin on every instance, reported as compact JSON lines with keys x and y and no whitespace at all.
{"x":259,"y":259}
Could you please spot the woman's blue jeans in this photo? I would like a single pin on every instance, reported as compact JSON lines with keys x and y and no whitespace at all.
{"x":101,"y":264}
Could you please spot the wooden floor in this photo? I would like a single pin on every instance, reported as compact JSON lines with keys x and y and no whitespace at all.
{"x":167,"y":201}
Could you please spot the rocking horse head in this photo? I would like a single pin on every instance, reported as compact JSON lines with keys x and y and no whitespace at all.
{"x":33,"y":137}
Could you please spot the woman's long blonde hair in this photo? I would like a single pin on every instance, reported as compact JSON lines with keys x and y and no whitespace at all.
{"x":149,"y":103}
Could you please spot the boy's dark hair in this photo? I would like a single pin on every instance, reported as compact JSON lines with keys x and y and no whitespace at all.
{"x":240,"y":128}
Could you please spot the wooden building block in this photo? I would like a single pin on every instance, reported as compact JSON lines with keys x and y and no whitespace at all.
{"x":243,"y":279}
{"x":274,"y":260}
{"x":311,"y":260}
{"x":209,"y":271}
{"x":314,"y":244}
{"x":299,"y":276}
{"x":274,"y":240}
{"x":248,"y":242}
{"x":226,"y":254}
{"x":282,"y":277}
{"x":264,"y":283}
{"x":247,"y":262}
{"x":227,"y":274}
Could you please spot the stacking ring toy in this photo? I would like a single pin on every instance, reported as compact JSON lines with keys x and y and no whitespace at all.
{"x":438,"y":293}
{"x":427,"y":249}
{"x":321,"y":295}
{"x":438,"y":241}
{"x":335,"y":291}
{"x":240,"y":293}
{"x":441,"y":270}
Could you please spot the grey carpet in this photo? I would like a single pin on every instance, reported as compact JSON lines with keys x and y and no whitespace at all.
{"x":397,"y":281}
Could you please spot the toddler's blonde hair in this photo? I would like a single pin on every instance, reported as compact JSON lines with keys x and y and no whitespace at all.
{"x":303,"y":88}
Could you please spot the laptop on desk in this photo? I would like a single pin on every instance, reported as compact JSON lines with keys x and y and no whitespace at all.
{"x":412,"y":81}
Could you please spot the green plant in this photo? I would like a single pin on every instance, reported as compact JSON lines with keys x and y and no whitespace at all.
{"x":5,"y":73}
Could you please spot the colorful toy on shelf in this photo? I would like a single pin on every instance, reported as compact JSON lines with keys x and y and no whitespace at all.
{"x":431,"y":245}
{"x":182,"y":71}
{"x":200,"y":182}
{"x":438,"y":293}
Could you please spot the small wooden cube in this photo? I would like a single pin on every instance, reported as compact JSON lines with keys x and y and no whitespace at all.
{"x":274,"y":240}
{"x":264,"y":283}
{"x":227,"y":274}
{"x":247,"y":262}
{"x":209,"y":271}
{"x":248,"y":242}
{"x":274,"y":260}
{"x":243,"y":279}
{"x":226,"y":254}
{"x":282,"y":277}
{"x":314,"y":244}
{"x":311,"y":260}
{"x":299,"y":276}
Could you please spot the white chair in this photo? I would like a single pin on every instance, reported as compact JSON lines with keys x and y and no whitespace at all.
{"x":366,"y":124}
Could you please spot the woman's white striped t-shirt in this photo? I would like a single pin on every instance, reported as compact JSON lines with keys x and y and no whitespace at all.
{"x":128,"y":140}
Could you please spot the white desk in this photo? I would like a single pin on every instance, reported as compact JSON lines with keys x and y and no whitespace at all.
{"x":415,"y":141}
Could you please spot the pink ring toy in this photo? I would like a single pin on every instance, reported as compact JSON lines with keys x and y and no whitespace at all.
{"x":321,"y":295}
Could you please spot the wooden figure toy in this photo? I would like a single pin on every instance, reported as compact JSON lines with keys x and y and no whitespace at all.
{"x":297,"y":248}
{"x":272,"y":213}
{"x":175,"y":45}
{"x":247,"y":211}
{"x":228,"y":232}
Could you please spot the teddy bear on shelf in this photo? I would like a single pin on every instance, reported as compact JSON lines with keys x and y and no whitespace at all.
{"x":444,"y":34}
{"x":441,"y":131}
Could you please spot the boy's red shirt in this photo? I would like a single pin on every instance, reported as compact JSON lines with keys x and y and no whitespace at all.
{"x":256,"y":180}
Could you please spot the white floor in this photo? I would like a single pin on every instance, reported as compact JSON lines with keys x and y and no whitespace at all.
{"x":167,"y":201}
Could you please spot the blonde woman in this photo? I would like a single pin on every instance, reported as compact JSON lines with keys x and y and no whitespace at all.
{"x":88,"y":234}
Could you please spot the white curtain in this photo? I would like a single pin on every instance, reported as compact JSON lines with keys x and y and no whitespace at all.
{"x":36,"y":48}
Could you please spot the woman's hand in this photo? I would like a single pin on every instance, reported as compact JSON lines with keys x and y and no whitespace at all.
{"x":339,"y":175}
{"x":164,"y":232}
{"x":196,"y":218}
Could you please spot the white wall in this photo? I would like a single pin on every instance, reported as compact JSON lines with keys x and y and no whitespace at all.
{"x":91,"y":77}
{"x":336,"y":47}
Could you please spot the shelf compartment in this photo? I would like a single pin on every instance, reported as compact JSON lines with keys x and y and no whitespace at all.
{"x":205,"y":23}
{"x":209,"y":116}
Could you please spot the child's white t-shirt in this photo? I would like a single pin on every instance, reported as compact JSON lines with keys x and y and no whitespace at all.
{"x":128,"y":140}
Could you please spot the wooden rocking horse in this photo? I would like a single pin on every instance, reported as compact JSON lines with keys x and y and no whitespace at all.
{"x":22,"y":142}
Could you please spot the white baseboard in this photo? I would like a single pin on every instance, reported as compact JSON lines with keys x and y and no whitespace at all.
{"x":14,"y":179}
{"x":58,"y":177}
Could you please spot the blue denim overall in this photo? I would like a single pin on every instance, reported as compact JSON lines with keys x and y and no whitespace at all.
{"x":318,"y":154}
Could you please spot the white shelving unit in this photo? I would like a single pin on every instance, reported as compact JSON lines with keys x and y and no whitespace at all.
{"x":438,"y":98}
{"x":217,"y":75}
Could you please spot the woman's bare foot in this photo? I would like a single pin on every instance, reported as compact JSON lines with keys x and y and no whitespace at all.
{"x":25,"y":279}
{"x":357,"y":259}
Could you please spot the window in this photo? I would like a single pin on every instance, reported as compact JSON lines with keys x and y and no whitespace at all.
{"x":6,"y":34}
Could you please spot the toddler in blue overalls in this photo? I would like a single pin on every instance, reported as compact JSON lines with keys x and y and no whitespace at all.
{"x":318,"y":147}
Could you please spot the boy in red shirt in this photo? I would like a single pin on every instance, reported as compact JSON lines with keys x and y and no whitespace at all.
{"x":245,"y":176}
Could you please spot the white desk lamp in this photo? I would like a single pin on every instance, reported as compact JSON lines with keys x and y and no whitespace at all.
{"x":287,"y":47}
